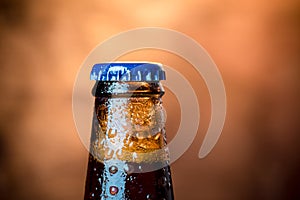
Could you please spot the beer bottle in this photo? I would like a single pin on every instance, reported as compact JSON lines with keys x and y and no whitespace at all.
{"x":128,"y":155}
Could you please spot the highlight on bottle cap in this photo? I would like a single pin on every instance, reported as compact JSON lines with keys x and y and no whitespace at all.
{"x":128,"y":71}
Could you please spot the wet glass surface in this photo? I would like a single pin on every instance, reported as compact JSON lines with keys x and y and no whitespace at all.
{"x":128,"y":132}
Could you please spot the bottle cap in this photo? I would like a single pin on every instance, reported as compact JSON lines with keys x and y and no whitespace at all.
{"x":128,"y":71}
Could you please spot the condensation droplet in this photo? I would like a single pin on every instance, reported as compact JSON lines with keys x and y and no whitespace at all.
{"x":113,"y":190}
{"x":111,"y":133}
{"x":108,"y":153}
{"x":134,"y":155}
{"x":131,"y":144}
{"x":148,"y":197}
{"x":113,"y":169}
{"x":162,"y":181}
{"x":126,"y":168}
{"x":119,"y":154}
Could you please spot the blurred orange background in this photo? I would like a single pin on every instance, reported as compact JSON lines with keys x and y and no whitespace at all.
{"x":255,"y":44}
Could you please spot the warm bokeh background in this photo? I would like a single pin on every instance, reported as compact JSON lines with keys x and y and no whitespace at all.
{"x":255,"y":44}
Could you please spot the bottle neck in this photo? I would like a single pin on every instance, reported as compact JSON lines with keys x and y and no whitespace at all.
{"x":131,"y":121}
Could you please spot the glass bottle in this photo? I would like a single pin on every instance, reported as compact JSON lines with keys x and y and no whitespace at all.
{"x":128,"y":155}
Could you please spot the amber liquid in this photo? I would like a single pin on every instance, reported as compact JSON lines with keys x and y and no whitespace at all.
{"x":127,"y":132}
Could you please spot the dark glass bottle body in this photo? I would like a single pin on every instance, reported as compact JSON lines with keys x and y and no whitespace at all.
{"x":128,"y":159}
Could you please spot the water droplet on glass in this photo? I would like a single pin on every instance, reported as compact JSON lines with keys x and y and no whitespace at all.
{"x":113,"y":190}
{"x":148,"y":197}
{"x":111,"y":133}
{"x":113,"y":169}
{"x":119,"y":154}
{"x":108,"y":153}
{"x":134,"y":155}
{"x":162,"y":181}
{"x":131,"y":144}
{"x":126,"y":168}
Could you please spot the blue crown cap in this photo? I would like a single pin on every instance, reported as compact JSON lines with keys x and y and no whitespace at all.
{"x":128,"y":71}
